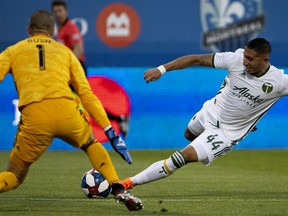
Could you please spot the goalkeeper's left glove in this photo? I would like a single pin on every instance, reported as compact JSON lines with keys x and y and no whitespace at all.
{"x":118,"y":145}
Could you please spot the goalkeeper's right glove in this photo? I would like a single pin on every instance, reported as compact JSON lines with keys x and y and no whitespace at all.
{"x":118,"y":145}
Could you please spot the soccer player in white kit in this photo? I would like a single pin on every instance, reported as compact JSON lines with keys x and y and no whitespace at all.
{"x":251,"y":87}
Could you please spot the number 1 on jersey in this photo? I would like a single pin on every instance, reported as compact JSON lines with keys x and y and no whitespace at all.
{"x":41,"y":57}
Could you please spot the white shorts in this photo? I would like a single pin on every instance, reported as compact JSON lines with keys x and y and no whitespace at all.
{"x":211,"y":141}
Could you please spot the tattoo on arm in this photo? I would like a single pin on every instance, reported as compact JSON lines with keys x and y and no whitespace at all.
{"x":206,"y":60}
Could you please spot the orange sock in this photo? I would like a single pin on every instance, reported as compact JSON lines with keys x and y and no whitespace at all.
{"x":101,"y":161}
{"x":8,"y":181}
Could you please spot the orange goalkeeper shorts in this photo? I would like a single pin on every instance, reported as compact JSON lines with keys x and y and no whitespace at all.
{"x":42,"y":121}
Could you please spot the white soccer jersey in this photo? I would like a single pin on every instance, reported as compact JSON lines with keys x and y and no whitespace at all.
{"x":243,"y":99}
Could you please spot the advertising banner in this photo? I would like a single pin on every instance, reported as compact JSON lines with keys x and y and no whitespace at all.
{"x":147,"y":33}
{"x":124,"y":38}
{"x":158,"y":112}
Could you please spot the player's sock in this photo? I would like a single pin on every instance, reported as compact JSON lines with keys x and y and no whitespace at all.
{"x":160,"y":169}
{"x":101,"y":161}
{"x":8,"y":181}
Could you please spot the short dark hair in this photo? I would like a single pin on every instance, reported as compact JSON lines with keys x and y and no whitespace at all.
{"x":260,"y":45}
{"x":58,"y":2}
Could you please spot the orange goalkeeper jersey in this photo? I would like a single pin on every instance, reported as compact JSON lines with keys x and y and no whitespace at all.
{"x":43,"y":68}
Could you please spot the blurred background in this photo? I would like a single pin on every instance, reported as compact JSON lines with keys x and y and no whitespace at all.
{"x":122,"y":39}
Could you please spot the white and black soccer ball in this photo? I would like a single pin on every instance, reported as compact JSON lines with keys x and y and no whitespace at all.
{"x":94,"y":185}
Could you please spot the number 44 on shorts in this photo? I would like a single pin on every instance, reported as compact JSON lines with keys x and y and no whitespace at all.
{"x":214,"y":143}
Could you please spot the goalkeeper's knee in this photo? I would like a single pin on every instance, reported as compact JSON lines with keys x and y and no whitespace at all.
{"x":8,"y":181}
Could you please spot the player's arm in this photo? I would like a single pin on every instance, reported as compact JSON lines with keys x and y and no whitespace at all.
{"x":179,"y":63}
{"x":4,"y":64}
{"x":78,"y":49}
{"x":94,"y":107}
{"x":75,"y":39}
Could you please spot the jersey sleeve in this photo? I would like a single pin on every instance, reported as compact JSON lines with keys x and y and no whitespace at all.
{"x":227,"y":60}
{"x":91,"y":102}
{"x":4,"y":64}
{"x":285,"y":84}
{"x":74,"y":35}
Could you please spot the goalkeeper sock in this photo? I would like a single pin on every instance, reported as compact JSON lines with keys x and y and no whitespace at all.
{"x":101,"y":161}
{"x":8,"y":181}
{"x":160,"y":169}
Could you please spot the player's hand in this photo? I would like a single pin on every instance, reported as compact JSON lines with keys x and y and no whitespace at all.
{"x":152,"y":75}
{"x":118,"y":145}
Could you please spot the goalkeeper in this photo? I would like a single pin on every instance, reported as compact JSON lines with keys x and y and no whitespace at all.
{"x":42,"y":70}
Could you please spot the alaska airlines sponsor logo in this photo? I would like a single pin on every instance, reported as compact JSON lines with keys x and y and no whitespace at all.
{"x":246,"y":96}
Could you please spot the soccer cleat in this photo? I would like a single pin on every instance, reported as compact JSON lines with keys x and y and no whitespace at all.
{"x":127,"y":183}
{"x":131,"y":202}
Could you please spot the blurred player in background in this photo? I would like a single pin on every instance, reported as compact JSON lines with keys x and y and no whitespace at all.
{"x":69,"y":34}
{"x":41,"y":69}
{"x":250,"y":89}
{"x":67,"y":31}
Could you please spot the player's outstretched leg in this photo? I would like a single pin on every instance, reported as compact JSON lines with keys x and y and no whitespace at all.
{"x":156,"y":171}
{"x":124,"y":197}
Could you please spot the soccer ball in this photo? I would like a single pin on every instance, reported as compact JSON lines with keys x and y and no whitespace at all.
{"x":94,"y":185}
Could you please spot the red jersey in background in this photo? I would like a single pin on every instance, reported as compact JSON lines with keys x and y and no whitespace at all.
{"x":69,"y":34}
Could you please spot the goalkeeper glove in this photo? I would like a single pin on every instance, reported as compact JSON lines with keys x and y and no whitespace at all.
{"x":118,"y":145}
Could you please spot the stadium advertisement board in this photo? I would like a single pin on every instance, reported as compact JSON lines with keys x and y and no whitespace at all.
{"x":159,"y":111}
{"x":124,"y":38}
{"x":146,"y":33}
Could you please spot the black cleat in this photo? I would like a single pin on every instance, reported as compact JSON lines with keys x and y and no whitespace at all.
{"x":131,"y":202}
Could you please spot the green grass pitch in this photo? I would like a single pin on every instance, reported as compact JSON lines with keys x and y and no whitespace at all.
{"x":243,"y":182}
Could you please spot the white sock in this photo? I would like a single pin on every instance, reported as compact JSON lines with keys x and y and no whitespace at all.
{"x":160,"y":169}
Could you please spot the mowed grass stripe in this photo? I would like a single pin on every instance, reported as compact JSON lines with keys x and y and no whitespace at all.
{"x":145,"y":200}
{"x":244,"y":182}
